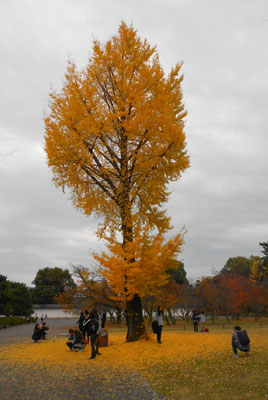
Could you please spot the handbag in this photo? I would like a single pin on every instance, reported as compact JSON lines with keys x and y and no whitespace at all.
{"x":155,"y":326}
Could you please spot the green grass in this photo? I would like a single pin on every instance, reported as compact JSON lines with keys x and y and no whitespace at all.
{"x":218,"y":376}
{"x":10,"y":321}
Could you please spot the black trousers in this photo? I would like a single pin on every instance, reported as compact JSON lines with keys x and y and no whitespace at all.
{"x":93,"y":338}
{"x":195,"y":326}
{"x":159,"y":331}
{"x":235,"y":347}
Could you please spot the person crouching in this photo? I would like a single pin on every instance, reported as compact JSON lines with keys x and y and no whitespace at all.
{"x":79,"y":343}
{"x":240,"y":341}
{"x":70,"y":341}
{"x":37,"y":334}
{"x":44,"y":330}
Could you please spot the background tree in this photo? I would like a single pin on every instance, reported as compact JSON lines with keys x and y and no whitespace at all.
{"x":177,"y":272}
{"x":207,"y":290}
{"x":259,"y":292}
{"x":91,"y":291}
{"x":264,"y":250}
{"x":15,"y":298}
{"x":21,"y":299}
{"x":5,"y":297}
{"x":49,"y":283}
{"x":115,"y":138}
{"x":239,"y":265}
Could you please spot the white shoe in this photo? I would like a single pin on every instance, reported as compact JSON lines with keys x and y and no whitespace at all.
{"x":236,"y":356}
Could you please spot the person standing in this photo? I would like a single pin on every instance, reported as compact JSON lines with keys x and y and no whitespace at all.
{"x":202,"y":319}
{"x":86,"y":323}
{"x":127,"y":321}
{"x":103,"y":319}
{"x":80,"y":322}
{"x":195,"y":321}
{"x":160,"y":321}
{"x":93,"y":329}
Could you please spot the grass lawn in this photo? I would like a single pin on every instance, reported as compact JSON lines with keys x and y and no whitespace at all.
{"x":10,"y":321}
{"x":186,"y":366}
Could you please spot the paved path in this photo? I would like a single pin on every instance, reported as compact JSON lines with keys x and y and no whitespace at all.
{"x":24,"y":382}
{"x":57,"y":326}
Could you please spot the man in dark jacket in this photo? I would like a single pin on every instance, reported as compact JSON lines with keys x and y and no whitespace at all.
{"x":93,"y":326}
{"x":86,"y":325}
{"x":241,"y":341}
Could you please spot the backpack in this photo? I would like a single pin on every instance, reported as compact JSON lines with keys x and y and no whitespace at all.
{"x":243,"y":338}
{"x":154,"y":326}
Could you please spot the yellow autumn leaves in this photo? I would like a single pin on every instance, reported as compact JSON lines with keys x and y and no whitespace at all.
{"x":187,"y":365}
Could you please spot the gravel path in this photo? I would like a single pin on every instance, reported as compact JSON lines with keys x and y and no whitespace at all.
{"x":24,"y":382}
{"x":57,"y":326}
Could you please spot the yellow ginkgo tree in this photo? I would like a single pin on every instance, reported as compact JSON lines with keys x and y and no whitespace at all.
{"x":115,"y":138}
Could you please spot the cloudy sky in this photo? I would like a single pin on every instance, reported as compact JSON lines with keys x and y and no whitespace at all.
{"x":222,"y":199}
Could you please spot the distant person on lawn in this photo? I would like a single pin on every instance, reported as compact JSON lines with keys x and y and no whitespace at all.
{"x":202,"y":318}
{"x":195,"y":321}
{"x":160,"y":321}
{"x":240,"y":341}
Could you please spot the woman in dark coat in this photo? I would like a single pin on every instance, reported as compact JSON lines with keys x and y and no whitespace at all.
{"x":37,"y":334}
{"x":160,"y":321}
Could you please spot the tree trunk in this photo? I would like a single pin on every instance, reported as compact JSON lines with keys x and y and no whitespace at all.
{"x":111,"y":316}
{"x":136,"y":326}
{"x":118,"y":315}
{"x":166,"y":318}
{"x":173,"y":320}
{"x":212,"y":316}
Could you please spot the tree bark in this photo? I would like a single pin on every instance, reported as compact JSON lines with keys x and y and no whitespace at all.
{"x":136,"y":326}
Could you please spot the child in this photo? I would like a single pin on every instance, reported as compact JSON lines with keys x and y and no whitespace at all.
{"x":70,"y":341}
{"x":79,"y":343}
{"x":44,"y":330}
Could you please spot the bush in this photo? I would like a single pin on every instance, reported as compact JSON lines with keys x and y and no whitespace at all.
{"x":13,"y":321}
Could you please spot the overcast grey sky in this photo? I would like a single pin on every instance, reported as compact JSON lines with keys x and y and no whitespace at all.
{"x":222,"y":199}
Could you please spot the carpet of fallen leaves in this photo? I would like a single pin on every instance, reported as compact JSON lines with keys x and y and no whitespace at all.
{"x":186,"y":365}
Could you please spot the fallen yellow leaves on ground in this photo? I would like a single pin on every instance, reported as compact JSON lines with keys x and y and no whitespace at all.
{"x":186,"y":362}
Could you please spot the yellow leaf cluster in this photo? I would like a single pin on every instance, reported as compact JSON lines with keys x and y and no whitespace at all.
{"x":138,"y":267}
{"x":115,"y":132}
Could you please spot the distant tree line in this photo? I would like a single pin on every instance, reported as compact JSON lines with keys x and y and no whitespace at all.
{"x":239,"y":288}
{"x":50,"y":283}
{"x":17,"y":299}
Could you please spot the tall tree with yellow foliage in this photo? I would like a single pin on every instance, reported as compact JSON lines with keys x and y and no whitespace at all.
{"x":115,"y":138}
